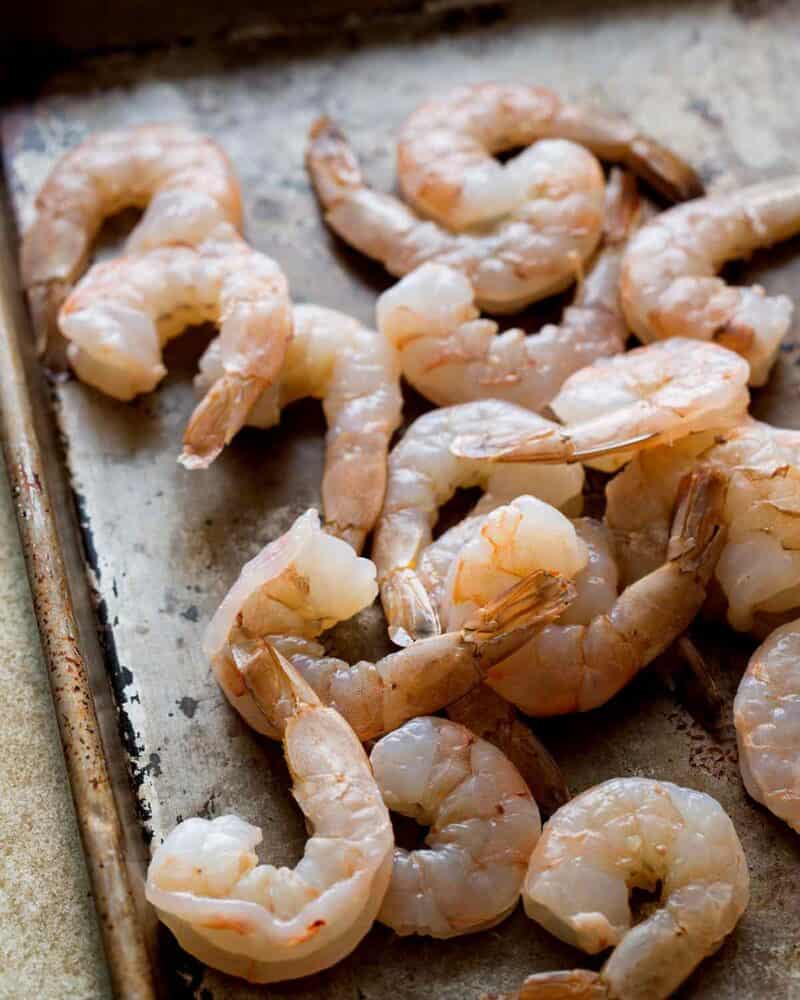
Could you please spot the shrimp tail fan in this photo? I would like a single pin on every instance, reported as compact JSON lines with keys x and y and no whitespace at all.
{"x":577,"y":984}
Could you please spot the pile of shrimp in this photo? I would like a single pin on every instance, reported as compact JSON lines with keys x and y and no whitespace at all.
{"x":526,"y":607}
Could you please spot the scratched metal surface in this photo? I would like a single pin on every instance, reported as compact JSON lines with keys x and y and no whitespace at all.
{"x":716,"y":81}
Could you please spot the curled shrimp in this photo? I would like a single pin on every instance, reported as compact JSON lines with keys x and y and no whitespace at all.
{"x":355,"y":372}
{"x":766,"y":713}
{"x":535,"y":249}
{"x":568,"y":667}
{"x":635,"y":833}
{"x":424,"y":474}
{"x":446,"y":164}
{"x":267,"y":924}
{"x":669,"y":285}
{"x":183,"y":179}
{"x":122,"y":312}
{"x":617,"y":406}
{"x":450,"y":355}
{"x":305,"y":582}
{"x":483,"y":822}
{"x":759,"y":567}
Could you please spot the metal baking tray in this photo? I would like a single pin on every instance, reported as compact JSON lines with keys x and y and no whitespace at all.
{"x":129,"y":554}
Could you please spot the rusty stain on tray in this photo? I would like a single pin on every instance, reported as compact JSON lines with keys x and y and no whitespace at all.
{"x":164,"y":545}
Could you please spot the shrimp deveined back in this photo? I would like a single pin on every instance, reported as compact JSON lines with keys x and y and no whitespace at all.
{"x":268,"y":924}
{"x":669,"y":285}
{"x":635,"y":833}
{"x":484,"y":824}
{"x":451,"y":355}
{"x":122,"y":312}
{"x":355,"y":372}
{"x":306,"y":581}
{"x":182,"y":179}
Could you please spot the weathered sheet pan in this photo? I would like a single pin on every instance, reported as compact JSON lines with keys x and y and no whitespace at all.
{"x":162,"y":545}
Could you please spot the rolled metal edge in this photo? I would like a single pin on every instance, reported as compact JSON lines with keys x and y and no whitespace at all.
{"x":87,"y":768}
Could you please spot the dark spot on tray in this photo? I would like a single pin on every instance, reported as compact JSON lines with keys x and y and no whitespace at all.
{"x":154,"y":767}
{"x":191,"y":614}
{"x":188,"y":706}
{"x":702,"y":108}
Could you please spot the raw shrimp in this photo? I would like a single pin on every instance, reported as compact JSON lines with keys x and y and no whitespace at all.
{"x":577,"y":667}
{"x":183,"y":179}
{"x":759,"y":568}
{"x":122,"y":313}
{"x":635,"y":833}
{"x":267,"y":924}
{"x":424,"y":474}
{"x":446,"y":164}
{"x":767,"y":717}
{"x":669,"y":285}
{"x":651,"y":395}
{"x":450,"y":355}
{"x":534,"y":249}
{"x":355,"y":372}
{"x":306,"y":581}
{"x":483,"y":822}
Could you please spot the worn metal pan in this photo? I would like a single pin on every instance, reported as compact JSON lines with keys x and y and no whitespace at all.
{"x":124,"y":589}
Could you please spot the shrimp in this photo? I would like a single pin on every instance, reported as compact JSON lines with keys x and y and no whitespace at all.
{"x":305,"y":582}
{"x":122,"y":312}
{"x":450,"y":355}
{"x":536,"y":248}
{"x":759,"y":567}
{"x":183,"y":179}
{"x":576,"y":667}
{"x":355,"y":372}
{"x":635,"y":833}
{"x":668,"y":283}
{"x":268,"y":924}
{"x":445,"y":158}
{"x":483,"y":822}
{"x":766,"y":713}
{"x":617,"y":406}
{"x":424,"y":474}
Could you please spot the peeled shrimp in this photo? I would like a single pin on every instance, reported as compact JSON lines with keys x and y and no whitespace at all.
{"x":268,"y":924}
{"x":669,"y":285}
{"x":759,"y":568}
{"x":446,"y":162}
{"x":651,"y":395}
{"x":122,"y":312}
{"x":424,"y":474}
{"x":533,"y":248}
{"x":183,"y":180}
{"x":305,"y":582}
{"x":450,"y":355}
{"x":483,"y":824}
{"x":355,"y":372}
{"x":577,"y":667}
{"x":635,"y":833}
{"x":767,"y":717}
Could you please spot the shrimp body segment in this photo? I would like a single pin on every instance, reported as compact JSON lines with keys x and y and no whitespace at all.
{"x":635,"y":833}
{"x":424,"y":474}
{"x":267,"y":924}
{"x":305,"y":582}
{"x":574,"y":667}
{"x":669,"y":285}
{"x":446,"y":162}
{"x":534,"y":249}
{"x":617,"y":406}
{"x":122,"y":312}
{"x":355,"y":372}
{"x":182,"y":179}
{"x":483,"y":824}
{"x":767,"y":717}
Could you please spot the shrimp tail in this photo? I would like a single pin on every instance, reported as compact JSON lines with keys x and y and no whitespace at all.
{"x":663,"y":170}
{"x":504,"y":624}
{"x":409,"y":609}
{"x":275,"y":685}
{"x":332,"y":164}
{"x":698,"y":534}
{"x":623,"y":207}
{"x":218,"y":417}
{"x":45,"y":301}
{"x":547,"y":446}
{"x":578,"y":984}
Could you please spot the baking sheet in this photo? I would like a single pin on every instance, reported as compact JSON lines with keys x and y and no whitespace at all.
{"x":718,"y":82}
